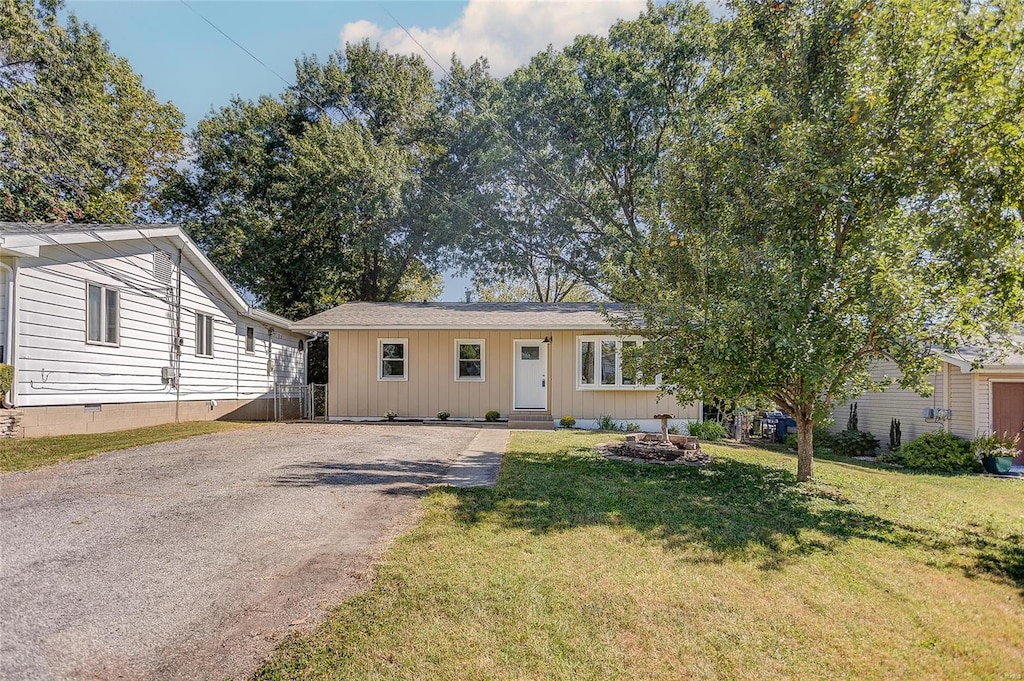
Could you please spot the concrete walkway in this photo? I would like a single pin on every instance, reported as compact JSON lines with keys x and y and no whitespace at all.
{"x":479,"y":464}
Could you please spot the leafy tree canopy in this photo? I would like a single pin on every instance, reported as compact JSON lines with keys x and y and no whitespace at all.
{"x":848,"y":187}
{"x":82,"y":139}
{"x":318,"y":196}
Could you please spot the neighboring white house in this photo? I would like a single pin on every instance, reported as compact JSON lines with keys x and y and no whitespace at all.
{"x":117,"y":326}
{"x":970,"y":397}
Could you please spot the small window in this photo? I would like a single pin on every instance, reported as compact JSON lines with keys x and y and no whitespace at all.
{"x":250,"y":339}
{"x":530,"y":352}
{"x":393,"y":359}
{"x":204,"y":335}
{"x":469,"y":360}
{"x":102,"y":312}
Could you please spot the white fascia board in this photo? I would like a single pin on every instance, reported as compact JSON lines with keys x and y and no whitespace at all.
{"x":959,"y":362}
{"x":272,"y":319}
{"x":19,"y":251}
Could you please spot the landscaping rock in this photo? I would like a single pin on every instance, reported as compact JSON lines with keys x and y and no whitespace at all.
{"x":655,"y":451}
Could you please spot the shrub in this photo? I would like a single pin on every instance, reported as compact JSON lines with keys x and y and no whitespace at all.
{"x":390,"y":415}
{"x":673,"y":430}
{"x":632,"y":427}
{"x":443,"y":415}
{"x":708,"y":430}
{"x":492,"y":415}
{"x":6,"y":378}
{"x":939,"y":452}
{"x":607,"y":423}
{"x":823,"y":438}
{"x":567,"y":421}
{"x":854,"y":443}
{"x":791,"y":441}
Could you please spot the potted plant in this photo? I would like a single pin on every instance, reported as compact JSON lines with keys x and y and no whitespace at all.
{"x":996,"y":452}
{"x":444,"y":415}
{"x":390,"y":415}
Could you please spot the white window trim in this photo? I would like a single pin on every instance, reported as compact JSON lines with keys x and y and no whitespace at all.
{"x":245,"y":340}
{"x":103,"y":314}
{"x":213,"y":324}
{"x":380,"y":359}
{"x":483,"y":360}
{"x":597,"y":385}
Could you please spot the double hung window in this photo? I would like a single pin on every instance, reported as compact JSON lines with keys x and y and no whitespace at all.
{"x":102,"y":315}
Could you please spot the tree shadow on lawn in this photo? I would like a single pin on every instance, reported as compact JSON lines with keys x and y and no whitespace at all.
{"x":730,"y":511}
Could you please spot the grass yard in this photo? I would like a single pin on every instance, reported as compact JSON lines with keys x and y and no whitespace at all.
{"x":26,"y":454}
{"x":575,"y":567}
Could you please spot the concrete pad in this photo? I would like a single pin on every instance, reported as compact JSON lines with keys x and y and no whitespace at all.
{"x":479,"y":464}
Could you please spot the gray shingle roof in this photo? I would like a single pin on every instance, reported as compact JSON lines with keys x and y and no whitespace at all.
{"x":461,"y":316}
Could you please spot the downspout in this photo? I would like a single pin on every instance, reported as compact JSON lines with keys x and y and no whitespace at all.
{"x":12,"y":331}
{"x":270,"y":369}
{"x":177,"y":345}
{"x":946,"y":397}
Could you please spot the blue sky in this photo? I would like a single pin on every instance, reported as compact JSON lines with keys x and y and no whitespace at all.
{"x":186,"y":61}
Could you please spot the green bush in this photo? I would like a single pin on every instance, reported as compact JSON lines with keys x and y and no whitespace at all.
{"x":607,"y":423}
{"x":854,"y":443}
{"x":492,"y":415}
{"x":938,"y":452}
{"x":708,"y":430}
{"x":791,"y":441}
{"x":823,"y":438}
{"x":443,"y":415}
{"x":6,"y":378}
{"x":567,"y":421}
{"x":673,"y":430}
{"x":632,"y":427}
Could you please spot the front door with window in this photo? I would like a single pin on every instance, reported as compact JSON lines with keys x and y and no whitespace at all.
{"x":531,"y":375}
{"x":1008,"y":413}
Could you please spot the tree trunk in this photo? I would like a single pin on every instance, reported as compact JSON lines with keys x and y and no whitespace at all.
{"x":805,"y":443}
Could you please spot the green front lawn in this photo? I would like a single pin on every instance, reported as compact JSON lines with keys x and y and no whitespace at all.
{"x":576,"y":567}
{"x":26,"y":454}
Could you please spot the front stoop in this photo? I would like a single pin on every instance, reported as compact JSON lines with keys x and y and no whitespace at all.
{"x":531,"y":420}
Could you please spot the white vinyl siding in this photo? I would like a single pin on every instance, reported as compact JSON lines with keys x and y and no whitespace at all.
{"x":55,"y":367}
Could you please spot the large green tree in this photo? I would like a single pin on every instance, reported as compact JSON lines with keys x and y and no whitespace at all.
{"x":849,"y":187}
{"x":81,"y":139}
{"x":565,"y":152}
{"x":318,"y":196}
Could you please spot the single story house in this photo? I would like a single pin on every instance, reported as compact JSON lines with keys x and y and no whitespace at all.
{"x":531,"y":362}
{"x":117,"y":326}
{"x":970,"y":398}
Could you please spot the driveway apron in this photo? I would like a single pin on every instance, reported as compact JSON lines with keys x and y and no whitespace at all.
{"x":192,"y":559}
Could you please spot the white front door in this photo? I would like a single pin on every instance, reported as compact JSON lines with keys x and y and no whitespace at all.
{"x":531,"y":375}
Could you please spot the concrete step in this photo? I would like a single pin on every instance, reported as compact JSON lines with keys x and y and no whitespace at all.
{"x":535,"y":424}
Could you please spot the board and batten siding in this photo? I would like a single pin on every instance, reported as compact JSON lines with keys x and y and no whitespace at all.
{"x":56,"y":366}
{"x":356,"y":392}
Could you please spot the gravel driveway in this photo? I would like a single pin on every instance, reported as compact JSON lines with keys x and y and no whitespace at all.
{"x":192,"y":559}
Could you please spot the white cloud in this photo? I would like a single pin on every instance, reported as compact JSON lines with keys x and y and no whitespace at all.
{"x":507,"y":32}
